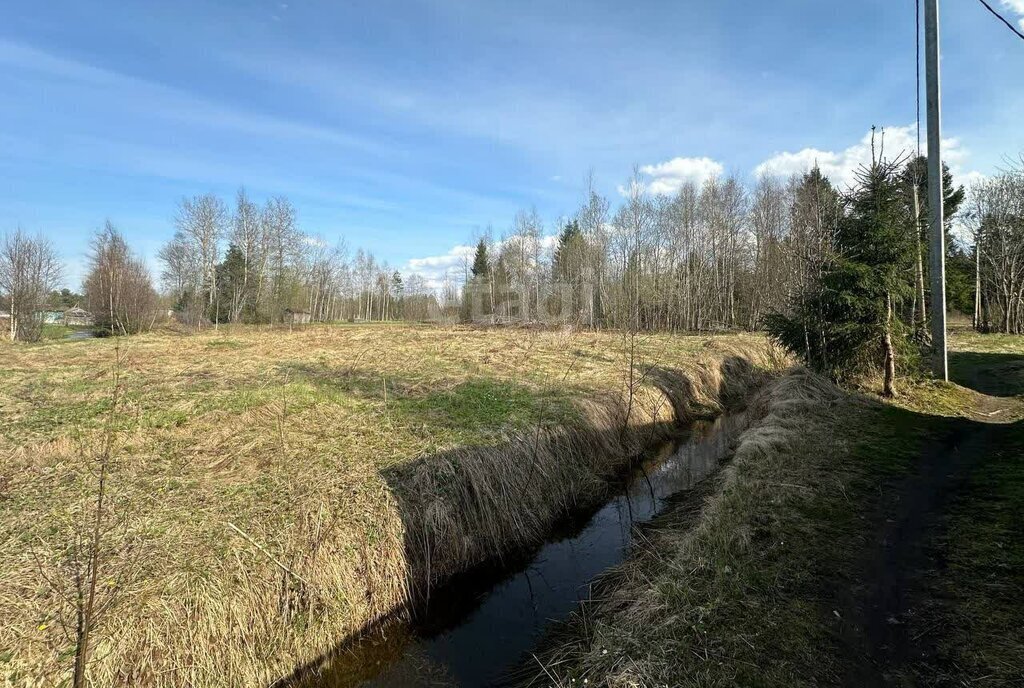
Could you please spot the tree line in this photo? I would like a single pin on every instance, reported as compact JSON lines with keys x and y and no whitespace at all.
{"x":712,"y":256}
{"x":995,"y":216}
{"x":717,"y":255}
{"x":253,"y":264}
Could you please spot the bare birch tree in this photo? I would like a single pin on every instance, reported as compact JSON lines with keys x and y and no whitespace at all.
{"x":29,"y":271}
{"x":118,"y":288}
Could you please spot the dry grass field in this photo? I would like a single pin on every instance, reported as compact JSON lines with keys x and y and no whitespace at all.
{"x":254,"y":509}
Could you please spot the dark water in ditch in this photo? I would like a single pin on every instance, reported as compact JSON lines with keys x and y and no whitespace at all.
{"x":479,"y":628}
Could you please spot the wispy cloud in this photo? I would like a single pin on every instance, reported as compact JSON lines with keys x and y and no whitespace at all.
{"x":345,"y":169}
{"x":185,"y":164}
{"x":569,"y":122}
{"x":122,"y":93}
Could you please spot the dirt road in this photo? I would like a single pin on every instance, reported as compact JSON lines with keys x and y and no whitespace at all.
{"x":902,"y":617}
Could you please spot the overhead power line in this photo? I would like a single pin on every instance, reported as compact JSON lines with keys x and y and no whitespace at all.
{"x":1003,"y":19}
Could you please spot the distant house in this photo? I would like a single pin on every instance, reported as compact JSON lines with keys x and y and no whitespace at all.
{"x":73,"y":317}
{"x":77,"y":317}
{"x":50,"y":317}
{"x":296,"y":316}
{"x":5,"y":320}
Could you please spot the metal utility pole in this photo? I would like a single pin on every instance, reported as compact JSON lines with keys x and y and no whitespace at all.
{"x":937,"y":243}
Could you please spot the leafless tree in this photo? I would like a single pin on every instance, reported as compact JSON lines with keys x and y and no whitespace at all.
{"x":118,"y":287}
{"x":593,"y":222}
{"x":769,"y":220}
{"x":95,"y":545}
{"x":248,"y":236}
{"x":996,"y":215}
{"x":284,"y":255}
{"x":29,"y":271}
{"x":632,"y":241}
{"x":200,"y":223}
{"x":177,"y":273}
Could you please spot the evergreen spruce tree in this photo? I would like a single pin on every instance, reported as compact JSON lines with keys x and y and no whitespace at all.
{"x":481,"y":266}
{"x":229,"y":276}
{"x":476,"y":293}
{"x":398,"y":295}
{"x":851,"y":305}
{"x":952,"y":195}
{"x":567,"y":261}
{"x":567,"y":265}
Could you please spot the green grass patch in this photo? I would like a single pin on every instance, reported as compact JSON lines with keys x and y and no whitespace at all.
{"x":479,"y":404}
{"x":50,"y":331}
{"x":230,"y":344}
{"x":995,"y":373}
{"x":886,"y":441}
{"x":65,"y":418}
{"x":982,"y":587}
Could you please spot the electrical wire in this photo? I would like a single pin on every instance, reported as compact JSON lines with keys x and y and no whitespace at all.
{"x":1003,"y":19}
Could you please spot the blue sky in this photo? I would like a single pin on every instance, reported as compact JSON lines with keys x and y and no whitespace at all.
{"x":405,"y":127}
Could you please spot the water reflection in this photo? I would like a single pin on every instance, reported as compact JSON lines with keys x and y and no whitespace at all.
{"x":478,"y":628}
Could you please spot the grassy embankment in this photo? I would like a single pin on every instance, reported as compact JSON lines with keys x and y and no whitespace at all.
{"x":776,"y":582}
{"x":272,"y":492}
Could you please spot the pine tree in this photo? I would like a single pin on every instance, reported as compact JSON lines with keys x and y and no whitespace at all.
{"x":952,"y":195}
{"x":481,"y":266}
{"x":568,"y":258}
{"x":568,"y":262}
{"x":476,"y":293}
{"x":398,"y":294}
{"x":500,"y":288}
{"x":851,"y":304}
{"x":230,"y":278}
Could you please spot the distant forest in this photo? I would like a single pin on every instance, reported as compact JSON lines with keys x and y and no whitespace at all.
{"x":715,"y":256}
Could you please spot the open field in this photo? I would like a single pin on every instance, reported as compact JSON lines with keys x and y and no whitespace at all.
{"x":850,"y":541}
{"x":271,"y":492}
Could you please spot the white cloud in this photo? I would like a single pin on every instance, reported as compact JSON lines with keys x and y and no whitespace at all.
{"x":668,"y":177}
{"x":841,"y":167}
{"x":1016,"y":6}
{"x":433,"y":269}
